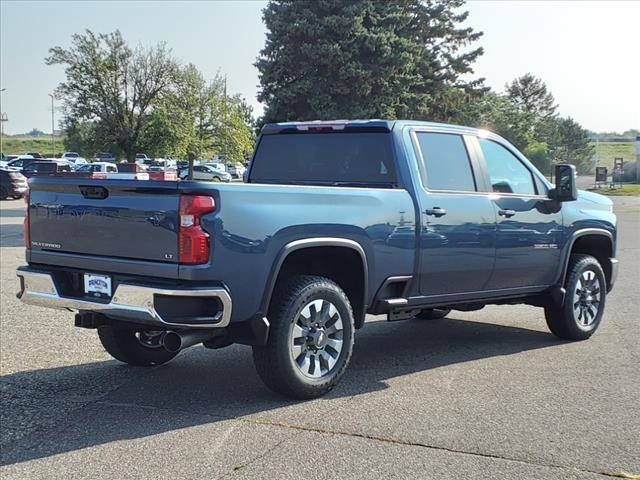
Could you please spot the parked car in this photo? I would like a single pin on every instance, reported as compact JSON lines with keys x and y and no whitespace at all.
{"x":18,"y":161}
{"x":73,"y":157}
{"x":34,"y":154}
{"x":46,"y":167}
{"x":12,"y":184}
{"x":217,"y":165}
{"x":236,"y":170}
{"x":103,"y":167}
{"x":340,"y":219}
{"x":205,"y":173}
{"x":106,"y":157}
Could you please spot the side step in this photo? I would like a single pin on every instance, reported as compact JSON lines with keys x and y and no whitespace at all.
{"x":396,"y":312}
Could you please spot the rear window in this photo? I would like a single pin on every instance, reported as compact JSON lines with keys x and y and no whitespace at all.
{"x":350,"y":159}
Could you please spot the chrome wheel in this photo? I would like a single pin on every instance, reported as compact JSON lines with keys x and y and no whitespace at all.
{"x":150,"y":338}
{"x":316,"y":338}
{"x":586,"y":299}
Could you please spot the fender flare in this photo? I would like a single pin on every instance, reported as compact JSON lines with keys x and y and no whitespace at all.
{"x":310,"y":243}
{"x":564,"y":262}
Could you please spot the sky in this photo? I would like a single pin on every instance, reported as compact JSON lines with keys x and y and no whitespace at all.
{"x":586,"y":52}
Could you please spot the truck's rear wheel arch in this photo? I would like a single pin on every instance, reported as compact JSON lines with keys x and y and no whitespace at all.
{"x":595,"y":242}
{"x":341,"y":260}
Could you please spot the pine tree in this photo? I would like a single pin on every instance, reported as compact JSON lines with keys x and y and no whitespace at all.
{"x":364,"y":59}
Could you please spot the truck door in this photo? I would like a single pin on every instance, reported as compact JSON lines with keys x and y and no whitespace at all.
{"x":458,"y":224}
{"x":529,"y":224}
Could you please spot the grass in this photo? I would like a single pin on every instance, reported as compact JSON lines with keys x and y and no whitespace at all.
{"x":19,"y":144}
{"x":606,"y":151}
{"x":622,"y":190}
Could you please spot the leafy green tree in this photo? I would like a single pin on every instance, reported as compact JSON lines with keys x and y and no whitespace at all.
{"x":497,"y":113}
{"x":364,"y":59}
{"x":538,"y":153}
{"x":112,"y":84}
{"x":573,"y":145}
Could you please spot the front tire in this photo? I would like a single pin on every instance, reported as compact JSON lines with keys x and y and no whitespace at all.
{"x":138,"y":348}
{"x":581,"y":312}
{"x":311,"y":338}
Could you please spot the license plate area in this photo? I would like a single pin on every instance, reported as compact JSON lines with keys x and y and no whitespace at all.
{"x":97,"y":286}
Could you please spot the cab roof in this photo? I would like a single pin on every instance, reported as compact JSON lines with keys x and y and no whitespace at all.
{"x":373,"y":125}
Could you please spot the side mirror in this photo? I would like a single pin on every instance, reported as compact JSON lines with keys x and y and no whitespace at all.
{"x":566,"y":189}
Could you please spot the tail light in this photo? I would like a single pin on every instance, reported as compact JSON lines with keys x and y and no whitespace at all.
{"x":193,"y":241}
{"x":25,"y":229}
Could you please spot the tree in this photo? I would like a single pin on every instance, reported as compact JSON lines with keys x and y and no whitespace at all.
{"x":531,"y":95}
{"x":573,"y":145}
{"x":364,"y":59}
{"x":497,"y":113}
{"x":35,"y":132}
{"x":112,"y":84}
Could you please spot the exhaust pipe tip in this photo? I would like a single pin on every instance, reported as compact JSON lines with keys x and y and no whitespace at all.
{"x":172,"y":342}
{"x":179,"y":340}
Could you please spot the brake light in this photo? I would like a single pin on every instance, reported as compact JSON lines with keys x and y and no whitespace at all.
{"x":193,"y":241}
{"x":25,"y":228}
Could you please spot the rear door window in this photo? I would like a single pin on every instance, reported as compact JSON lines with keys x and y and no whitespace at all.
{"x":446,"y":162}
{"x":345,"y":158}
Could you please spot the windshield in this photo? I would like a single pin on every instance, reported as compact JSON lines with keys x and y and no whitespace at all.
{"x":87,"y":167}
{"x":71,"y":155}
{"x":358,"y":158}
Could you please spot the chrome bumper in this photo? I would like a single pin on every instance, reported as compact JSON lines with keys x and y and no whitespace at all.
{"x":130,"y":302}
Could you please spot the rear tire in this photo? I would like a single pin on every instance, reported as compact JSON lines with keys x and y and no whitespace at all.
{"x":433,"y":313}
{"x":141,"y":349}
{"x":581,"y":312}
{"x":311,"y":338}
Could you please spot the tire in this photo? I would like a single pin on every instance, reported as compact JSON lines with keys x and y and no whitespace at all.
{"x":581,"y":312}
{"x":127,"y":346}
{"x":311,"y":338}
{"x":433,"y":313}
{"x":17,"y":197}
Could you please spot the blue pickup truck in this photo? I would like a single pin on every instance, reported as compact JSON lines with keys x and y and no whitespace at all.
{"x":337,"y":219}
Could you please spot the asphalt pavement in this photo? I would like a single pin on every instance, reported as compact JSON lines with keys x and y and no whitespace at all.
{"x":487,"y":394}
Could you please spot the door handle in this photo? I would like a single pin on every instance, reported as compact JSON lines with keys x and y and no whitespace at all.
{"x":436,"y":211}
{"x":506,"y":213}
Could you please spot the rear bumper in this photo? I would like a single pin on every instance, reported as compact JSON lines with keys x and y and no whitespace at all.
{"x":131,"y":302}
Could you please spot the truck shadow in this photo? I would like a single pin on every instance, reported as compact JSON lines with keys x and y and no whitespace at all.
{"x":76,"y":407}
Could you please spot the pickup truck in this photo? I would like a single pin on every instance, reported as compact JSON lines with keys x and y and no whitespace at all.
{"x":338,"y":219}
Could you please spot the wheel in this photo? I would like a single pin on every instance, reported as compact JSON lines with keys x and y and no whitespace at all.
{"x":311,"y":338}
{"x":581,"y":313}
{"x":433,"y":313}
{"x":139,"y":348}
{"x":17,"y":197}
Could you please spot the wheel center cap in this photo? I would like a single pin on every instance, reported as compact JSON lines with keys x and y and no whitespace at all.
{"x":319,"y":338}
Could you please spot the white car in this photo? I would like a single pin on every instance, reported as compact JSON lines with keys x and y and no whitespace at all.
{"x":206,"y":173}
{"x":236,"y":170}
{"x":217,"y":165}
{"x":101,"y":167}
{"x":74,"y":157}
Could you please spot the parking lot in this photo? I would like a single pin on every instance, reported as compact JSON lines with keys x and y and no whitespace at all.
{"x":487,"y":394}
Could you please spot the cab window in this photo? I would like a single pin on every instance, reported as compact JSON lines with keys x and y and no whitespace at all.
{"x":506,"y":172}
{"x":446,"y":162}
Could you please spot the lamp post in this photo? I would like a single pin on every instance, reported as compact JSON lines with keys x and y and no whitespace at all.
{"x":53,"y":141}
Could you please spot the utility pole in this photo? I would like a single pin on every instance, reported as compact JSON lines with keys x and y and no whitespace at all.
{"x":53,"y":140}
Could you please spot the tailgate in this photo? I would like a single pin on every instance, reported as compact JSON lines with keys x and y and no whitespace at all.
{"x":127,"y":219}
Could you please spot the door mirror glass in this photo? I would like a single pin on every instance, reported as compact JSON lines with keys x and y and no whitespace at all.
{"x":566,"y":189}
